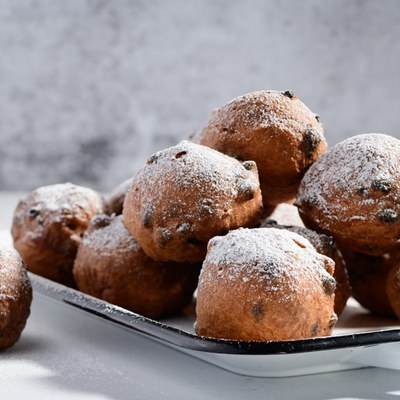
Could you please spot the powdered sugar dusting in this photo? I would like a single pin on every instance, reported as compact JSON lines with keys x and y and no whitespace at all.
{"x":13,"y":276}
{"x":56,"y":204}
{"x":65,"y":196}
{"x":265,"y":258}
{"x":363,"y":169}
{"x":264,"y":109}
{"x":201,"y":181}
{"x":111,"y":237}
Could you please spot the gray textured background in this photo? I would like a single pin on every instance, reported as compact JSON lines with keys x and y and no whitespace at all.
{"x":90,"y":88}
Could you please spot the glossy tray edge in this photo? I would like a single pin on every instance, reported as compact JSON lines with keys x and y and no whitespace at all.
{"x":187,"y":341}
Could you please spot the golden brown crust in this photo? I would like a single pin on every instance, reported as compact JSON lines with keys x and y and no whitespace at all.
{"x":48,"y":226}
{"x":187,"y":194}
{"x":368,"y":278}
{"x":110,"y":265}
{"x":264,"y":284}
{"x":352,"y":193}
{"x":324,"y":245}
{"x":274,"y":129}
{"x":15,"y":297}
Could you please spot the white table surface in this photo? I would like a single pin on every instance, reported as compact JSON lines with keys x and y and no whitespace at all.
{"x":65,"y":355}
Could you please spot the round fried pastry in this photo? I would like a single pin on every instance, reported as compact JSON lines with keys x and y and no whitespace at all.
{"x":186,"y":195}
{"x":111,"y":266}
{"x":273,"y":128}
{"x":368,"y":278}
{"x":48,"y":226}
{"x":15,"y":297}
{"x":264,"y":284}
{"x":352,"y":193}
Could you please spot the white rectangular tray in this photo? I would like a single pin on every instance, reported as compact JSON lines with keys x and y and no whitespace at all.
{"x":359,"y":340}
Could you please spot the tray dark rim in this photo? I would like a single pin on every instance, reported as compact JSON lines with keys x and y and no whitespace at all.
{"x":185,"y":340}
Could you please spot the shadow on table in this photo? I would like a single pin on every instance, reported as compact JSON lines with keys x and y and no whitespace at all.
{"x":86,"y":356}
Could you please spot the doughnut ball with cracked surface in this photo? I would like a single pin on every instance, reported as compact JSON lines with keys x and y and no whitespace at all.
{"x":48,"y":227}
{"x":111,"y":266}
{"x":265,"y":284}
{"x":187,"y":194}
{"x":276,"y":130}
{"x":352,"y":193}
{"x":15,"y":296}
{"x":325,"y":245}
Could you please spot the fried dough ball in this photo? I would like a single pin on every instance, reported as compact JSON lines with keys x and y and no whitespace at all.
{"x":15,"y":297}
{"x":115,"y":200}
{"x":393,"y":284}
{"x":187,"y":194}
{"x":352,"y":193}
{"x":265,"y":284}
{"x":368,"y":278}
{"x":48,"y":226}
{"x":276,"y":130}
{"x":110,"y":265}
{"x":324,"y":245}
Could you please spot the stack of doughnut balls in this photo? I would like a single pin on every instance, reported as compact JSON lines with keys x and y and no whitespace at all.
{"x":197,"y":216}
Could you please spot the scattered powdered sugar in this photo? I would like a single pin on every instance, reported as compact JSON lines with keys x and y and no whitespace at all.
{"x":270,"y":259}
{"x":363,"y":169}
{"x":111,"y":237}
{"x":193,"y":180}
{"x":264,"y":109}
{"x":13,"y":276}
{"x":59,"y":203}
{"x":65,"y":196}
